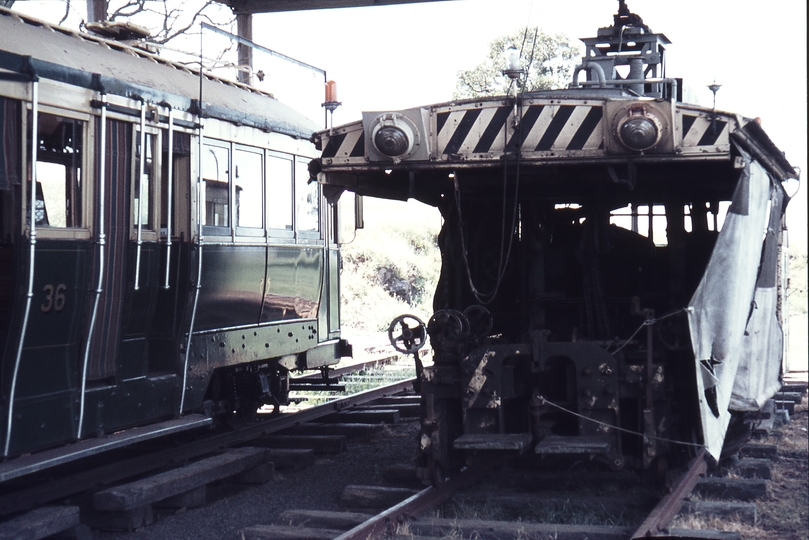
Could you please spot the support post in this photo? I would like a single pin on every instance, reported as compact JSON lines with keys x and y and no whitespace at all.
{"x":96,"y":10}
{"x":244,"y":28}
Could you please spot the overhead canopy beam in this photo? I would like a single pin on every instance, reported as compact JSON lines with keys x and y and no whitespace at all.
{"x":272,"y":6}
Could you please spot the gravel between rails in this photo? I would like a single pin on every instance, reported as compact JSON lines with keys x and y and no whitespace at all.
{"x":231,"y":508}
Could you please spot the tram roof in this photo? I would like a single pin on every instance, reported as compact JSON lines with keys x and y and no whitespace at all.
{"x":30,"y":47}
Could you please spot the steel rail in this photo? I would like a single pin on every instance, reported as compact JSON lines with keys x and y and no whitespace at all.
{"x":349,"y":369}
{"x":43,"y":492}
{"x":662,"y":514}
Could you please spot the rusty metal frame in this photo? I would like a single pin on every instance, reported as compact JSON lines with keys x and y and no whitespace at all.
{"x":667,"y":508}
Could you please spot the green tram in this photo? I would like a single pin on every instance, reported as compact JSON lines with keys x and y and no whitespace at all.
{"x":164,"y":257}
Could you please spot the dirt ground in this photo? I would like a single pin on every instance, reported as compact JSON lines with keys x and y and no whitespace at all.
{"x":784,"y":513}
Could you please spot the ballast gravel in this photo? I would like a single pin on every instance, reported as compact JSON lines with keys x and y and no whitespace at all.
{"x":232,"y":507}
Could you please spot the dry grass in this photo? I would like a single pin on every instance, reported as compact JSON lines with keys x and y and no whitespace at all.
{"x":784,"y":514}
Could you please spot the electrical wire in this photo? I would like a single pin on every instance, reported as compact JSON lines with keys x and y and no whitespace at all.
{"x":487,"y":298}
{"x":647,"y":322}
{"x":645,"y":436}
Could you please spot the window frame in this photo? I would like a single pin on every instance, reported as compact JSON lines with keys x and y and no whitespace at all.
{"x":274,"y":232}
{"x":149,"y":232}
{"x":87,"y":167}
{"x":261,"y":153}
{"x":308,"y":236}
{"x":217,"y":230}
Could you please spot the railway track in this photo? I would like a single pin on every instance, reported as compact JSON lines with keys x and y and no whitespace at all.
{"x":332,"y":498}
{"x":490,"y":501}
{"x":43,"y":484}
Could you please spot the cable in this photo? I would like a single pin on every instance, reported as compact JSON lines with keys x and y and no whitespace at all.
{"x":647,"y":322}
{"x":646,"y":437}
{"x":488,"y":298}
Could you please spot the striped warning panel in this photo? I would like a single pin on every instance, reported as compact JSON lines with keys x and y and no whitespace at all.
{"x":349,"y":144}
{"x":703,"y":131}
{"x":541,"y":128}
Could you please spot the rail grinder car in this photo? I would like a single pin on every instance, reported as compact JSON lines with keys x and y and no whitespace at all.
{"x":611,"y":282}
{"x":162,"y":251}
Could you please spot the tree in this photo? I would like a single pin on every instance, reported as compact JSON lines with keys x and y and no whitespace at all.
{"x":548,"y":59}
{"x":165,"y":19}
{"x":168,"y":19}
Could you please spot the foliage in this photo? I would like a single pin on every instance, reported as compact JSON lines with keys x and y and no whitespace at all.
{"x":388,"y":270}
{"x":549,"y":60}
{"x":797,"y":284}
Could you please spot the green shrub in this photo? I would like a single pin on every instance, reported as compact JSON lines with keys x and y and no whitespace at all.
{"x":391,"y":267}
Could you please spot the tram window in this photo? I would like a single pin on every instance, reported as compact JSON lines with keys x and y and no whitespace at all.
{"x":143,"y":198}
{"x":307,"y":203}
{"x":279,"y":192}
{"x":59,"y":171}
{"x":346,"y":212}
{"x":248,"y":180}
{"x":652,"y":223}
{"x":181,"y":171}
{"x":215,"y":171}
{"x":625,"y":217}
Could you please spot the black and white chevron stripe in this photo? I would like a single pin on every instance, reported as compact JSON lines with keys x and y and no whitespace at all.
{"x":541,"y":128}
{"x":701,"y":131}
{"x":350,"y":144}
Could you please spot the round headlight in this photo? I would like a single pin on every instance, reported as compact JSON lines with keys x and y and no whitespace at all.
{"x":639,"y":133}
{"x":392,"y":141}
{"x":639,"y":127}
{"x":393,"y":136}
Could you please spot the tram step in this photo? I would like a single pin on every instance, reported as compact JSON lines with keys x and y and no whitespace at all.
{"x":493,"y":441}
{"x":556,"y":444}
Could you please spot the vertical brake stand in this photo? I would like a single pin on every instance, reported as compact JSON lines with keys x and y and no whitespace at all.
{"x":412,"y":337}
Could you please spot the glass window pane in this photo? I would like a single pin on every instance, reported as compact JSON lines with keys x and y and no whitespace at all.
{"x":279,"y":193}
{"x":306,"y":199}
{"x":215,"y":162}
{"x":248,"y":188}
{"x":59,"y":174}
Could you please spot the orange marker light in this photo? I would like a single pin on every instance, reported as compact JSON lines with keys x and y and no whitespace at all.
{"x":331,"y":91}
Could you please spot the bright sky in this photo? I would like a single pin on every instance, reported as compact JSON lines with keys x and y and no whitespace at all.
{"x":403,"y":56}
{"x":393,"y":57}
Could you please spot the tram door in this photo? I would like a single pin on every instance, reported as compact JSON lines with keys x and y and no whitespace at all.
{"x":155,"y":254}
